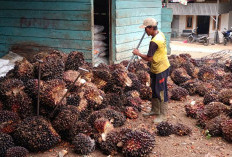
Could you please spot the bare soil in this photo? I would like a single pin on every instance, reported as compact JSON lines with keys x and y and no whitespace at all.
{"x":195,"y":145}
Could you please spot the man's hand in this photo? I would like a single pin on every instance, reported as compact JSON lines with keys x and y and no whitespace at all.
{"x":136,"y":52}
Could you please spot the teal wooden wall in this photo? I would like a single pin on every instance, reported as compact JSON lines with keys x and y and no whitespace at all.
{"x":166,"y":19}
{"x":129,"y":15}
{"x":61,"y":24}
{"x":66,"y":25}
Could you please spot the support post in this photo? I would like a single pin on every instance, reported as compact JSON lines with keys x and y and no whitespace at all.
{"x":216,"y":37}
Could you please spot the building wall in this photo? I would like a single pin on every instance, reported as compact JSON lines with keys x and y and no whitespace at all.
{"x":175,"y":24}
{"x":129,"y":15}
{"x":182,"y":24}
{"x":166,"y":19}
{"x":224,"y":24}
{"x":65,"y":24}
{"x":230,"y":18}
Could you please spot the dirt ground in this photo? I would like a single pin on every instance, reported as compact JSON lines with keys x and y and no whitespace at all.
{"x":194,"y":145}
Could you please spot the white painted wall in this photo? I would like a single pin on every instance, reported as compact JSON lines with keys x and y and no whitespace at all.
{"x":175,"y":24}
{"x":230,"y":19}
{"x":181,"y":24}
{"x":223,"y":24}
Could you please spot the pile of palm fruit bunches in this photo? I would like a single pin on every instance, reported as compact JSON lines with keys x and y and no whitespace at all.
{"x":93,"y":112}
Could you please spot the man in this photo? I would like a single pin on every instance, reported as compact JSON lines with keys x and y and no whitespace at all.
{"x":157,"y":55}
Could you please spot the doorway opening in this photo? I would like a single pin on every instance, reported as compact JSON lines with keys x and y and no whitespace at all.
{"x":102,"y":31}
{"x":203,"y":24}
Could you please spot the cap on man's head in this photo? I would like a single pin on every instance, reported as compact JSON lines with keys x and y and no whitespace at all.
{"x":149,"y":22}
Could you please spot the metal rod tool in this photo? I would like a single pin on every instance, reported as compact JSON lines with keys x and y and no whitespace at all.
{"x":39,"y":77}
{"x":132,"y":58}
{"x":71,"y":86}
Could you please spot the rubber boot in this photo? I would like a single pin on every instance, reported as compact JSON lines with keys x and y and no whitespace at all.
{"x":155,"y":109}
{"x":163,"y":113}
{"x":159,"y":117}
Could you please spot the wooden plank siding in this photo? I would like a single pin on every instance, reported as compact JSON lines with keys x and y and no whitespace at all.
{"x":129,"y":16}
{"x":60,"y":24}
{"x":166,"y":19}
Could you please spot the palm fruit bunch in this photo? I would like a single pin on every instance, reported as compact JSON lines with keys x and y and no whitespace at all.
{"x":17,"y":151}
{"x":170,"y":83}
{"x":94,"y":116}
{"x":136,"y":84}
{"x":206,"y":73}
{"x":176,"y":62}
{"x":228,"y":66}
{"x":79,"y":127}
{"x":132,"y":93}
{"x":202,"y":119}
{"x":6,"y":142}
{"x":8,"y":121}
{"x":74,"y":61}
{"x":117,"y":118}
{"x":87,"y":75}
{"x":144,"y":78}
{"x":227,"y":81}
{"x":227,"y":130}
{"x":214,"y":109}
{"x":193,"y":109}
{"x":131,"y":67}
{"x":65,"y":119}
{"x":134,"y":102}
{"x":69,"y":77}
{"x":1,"y":106}
{"x":138,"y":143}
{"x":103,"y":127}
{"x":225,"y":96}
{"x":131,"y":112}
{"x":14,"y":97}
{"x":165,"y":129}
{"x":191,"y":69}
{"x":179,"y":76}
{"x":203,"y":88}
{"x":138,"y":65}
{"x":185,"y":56}
{"x":190,"y":85}
{"x":52,"y":66}
{"x":182,"y":130}
{"x":31,"y":88}
{"x":115,"y":101}
{"x":83,"y":144}
{"x":23,"y":70}
{"x":101,"y":75}
{"x":220,"y":73}
{"x":113,"y":67}
{"x":179,"y":93}
{"x":145,"y":92}
{"x":214,"y":125}
{"x":109,"y":146}
{"x":81,"y":103}
{"x":217,"y":85}
{"x":121,"y":79}
{"x":51,"y":93}
{"x":36,"y":134}
{"x":208,"y":61}
{"x":113,"y":88}
{"x":112,"y":144}
{"x":94,"y":97}
{"x":211,"y":96}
